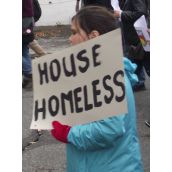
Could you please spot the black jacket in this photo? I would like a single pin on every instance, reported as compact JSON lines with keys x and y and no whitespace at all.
{"x":104,"y":3}
{"x":131,"y":11}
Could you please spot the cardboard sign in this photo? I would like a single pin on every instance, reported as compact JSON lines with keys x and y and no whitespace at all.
{"x":80,"y":84}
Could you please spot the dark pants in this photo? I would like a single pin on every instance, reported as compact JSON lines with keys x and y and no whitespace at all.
{"x":141,"y":65}
{"x":146,"y":63}
{"x":26,"y":60}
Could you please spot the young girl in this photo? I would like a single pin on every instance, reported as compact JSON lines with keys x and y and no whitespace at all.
{"x":109,"y":145}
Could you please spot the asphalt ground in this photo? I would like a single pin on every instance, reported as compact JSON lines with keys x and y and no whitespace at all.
{"x":42,"y":153}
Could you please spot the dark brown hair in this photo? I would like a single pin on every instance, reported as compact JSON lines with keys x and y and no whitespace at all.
{"x":95,"y":18}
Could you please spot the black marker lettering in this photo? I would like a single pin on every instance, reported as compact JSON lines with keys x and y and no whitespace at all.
{"x":55,"y":70}
{"x":42,"y":109}
{"x":87,"y":106}
{"x":77,"y":99}
{"x":73,"y":67}
{"x":95,"y":54}
{"x":96,"y":93}
{"x":83,"y":59}
{"x":67,"y":97}
{"x":109,"y":88}
{"x":116,"y":82}
{"x":54,"y":111}
{"x":43,"y":72}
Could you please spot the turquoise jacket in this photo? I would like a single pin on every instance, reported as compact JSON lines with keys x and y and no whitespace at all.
{"x":109,"y":145}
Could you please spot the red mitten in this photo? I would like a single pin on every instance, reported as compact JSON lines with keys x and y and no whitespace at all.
{"x":60,"y":131}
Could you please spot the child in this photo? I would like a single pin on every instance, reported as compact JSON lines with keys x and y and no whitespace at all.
{"x":108,"y":145}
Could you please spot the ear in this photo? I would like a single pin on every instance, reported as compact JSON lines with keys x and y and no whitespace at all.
{"x":93,"y":34}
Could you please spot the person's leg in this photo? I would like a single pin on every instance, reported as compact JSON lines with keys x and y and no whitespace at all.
{"x":141,"y":75}
{"x":146,"y":63}
{"x":147,"y":69}
{"x":26,"y":61}
{"x":26,"y":67}
{"x":82,"y":3}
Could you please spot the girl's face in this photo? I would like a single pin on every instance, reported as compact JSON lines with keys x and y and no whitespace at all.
{"x":78,"y":35}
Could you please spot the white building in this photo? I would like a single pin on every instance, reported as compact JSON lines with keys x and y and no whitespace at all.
{"x":56,"y":12}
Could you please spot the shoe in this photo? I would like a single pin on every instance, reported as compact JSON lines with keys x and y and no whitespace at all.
{"x":140,"y":87}
{"x":147,"y":123}
{"x":27,"y":82}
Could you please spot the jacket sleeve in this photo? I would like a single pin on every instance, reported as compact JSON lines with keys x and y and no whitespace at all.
{"x":138,"y":8}
{"x":97,"y":135}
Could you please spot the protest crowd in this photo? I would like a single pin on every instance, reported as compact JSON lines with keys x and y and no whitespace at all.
{"x":110,"y":144}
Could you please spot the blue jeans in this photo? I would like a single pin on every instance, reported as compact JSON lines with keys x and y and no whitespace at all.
{"x":141,"y":76}
{"x":26,"y":60}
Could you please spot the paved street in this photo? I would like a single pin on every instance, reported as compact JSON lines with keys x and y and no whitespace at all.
{"x":42,"y":153}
